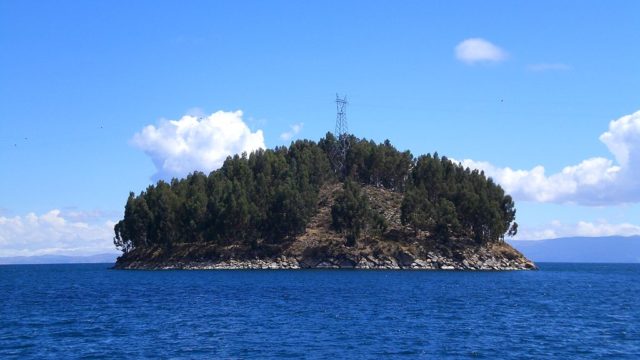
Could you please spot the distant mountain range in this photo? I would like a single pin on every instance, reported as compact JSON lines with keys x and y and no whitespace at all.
{"x":611,"y":249}
{"x":59,"y":259}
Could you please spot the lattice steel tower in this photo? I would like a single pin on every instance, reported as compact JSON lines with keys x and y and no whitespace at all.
{"x":342,"y":134}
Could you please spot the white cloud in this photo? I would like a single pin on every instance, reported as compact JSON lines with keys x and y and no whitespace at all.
{"x":548,"y":67}
{"x":594,"y":181}
{"x":556,"y":229}
{"x":178,"y":147}
{"x":623,"y":139}
{"x":54,"y":233}
{"x":294,"y":130}
{"x":477,"y":50}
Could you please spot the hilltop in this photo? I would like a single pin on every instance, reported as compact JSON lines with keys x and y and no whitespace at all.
{"x":297,"y":207}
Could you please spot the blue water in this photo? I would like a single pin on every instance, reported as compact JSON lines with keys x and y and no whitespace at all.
{"x":87,"y":311}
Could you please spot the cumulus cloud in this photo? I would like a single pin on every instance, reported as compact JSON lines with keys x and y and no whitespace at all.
{"x":477,"y":50}
{"x":54,"y":233}
{"x":594,"y":181}
{"x":557,"y":229}
{"x":548,"y":67}
{"x":178,"y":147}
{"x":294,"y":130}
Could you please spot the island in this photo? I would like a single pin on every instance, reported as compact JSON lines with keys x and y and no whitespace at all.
{"x":341,"y":202}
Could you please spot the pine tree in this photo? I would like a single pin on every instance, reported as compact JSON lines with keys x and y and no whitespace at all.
{"x":269,"y":196}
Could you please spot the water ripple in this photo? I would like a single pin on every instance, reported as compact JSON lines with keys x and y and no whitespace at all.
{"x":87,"y":311}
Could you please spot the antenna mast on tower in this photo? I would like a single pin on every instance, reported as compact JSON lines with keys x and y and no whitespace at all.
{"x":341,"y":133}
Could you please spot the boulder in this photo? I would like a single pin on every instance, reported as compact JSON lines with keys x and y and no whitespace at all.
{"x":325,"y":265}
{"x":404,"y":259}
{"x":346,"y":263}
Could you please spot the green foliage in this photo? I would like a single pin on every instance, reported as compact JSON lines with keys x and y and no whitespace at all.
{"x":351,"y":213}
{"x":267,"y":197}
{"x":379,"y":165}
{"x":450,"y":201}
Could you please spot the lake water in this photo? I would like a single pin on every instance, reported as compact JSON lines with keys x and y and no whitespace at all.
{"x":88,"y":311}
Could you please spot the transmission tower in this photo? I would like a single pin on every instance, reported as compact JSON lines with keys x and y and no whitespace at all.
{"x":341,"y":117}
{"x":342,"y":135}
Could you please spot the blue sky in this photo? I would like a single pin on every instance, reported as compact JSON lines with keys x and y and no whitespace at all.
{"x":79,"y":80}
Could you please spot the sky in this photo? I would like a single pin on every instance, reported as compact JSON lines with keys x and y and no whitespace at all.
{"x":100,"y":98}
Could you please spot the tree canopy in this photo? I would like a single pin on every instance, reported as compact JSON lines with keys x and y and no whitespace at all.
{"x":267,"y":197}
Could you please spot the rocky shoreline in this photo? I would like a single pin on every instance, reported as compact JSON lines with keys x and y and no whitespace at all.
{"x":472,"y":261}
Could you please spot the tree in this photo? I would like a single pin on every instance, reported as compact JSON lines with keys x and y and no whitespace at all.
{"x":352,"y":214}
{"x":449,"y":201}
{"x":269,"y":196}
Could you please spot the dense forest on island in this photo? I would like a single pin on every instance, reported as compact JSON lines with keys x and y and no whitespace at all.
{"x":259,"y":202}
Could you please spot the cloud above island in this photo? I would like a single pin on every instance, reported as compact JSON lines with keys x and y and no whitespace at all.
{"x":178,"y":147}
{"x":478,"y":50}
{"x":293,"y":131}
{"x":595,"y":181}
{"x":55,"y":232}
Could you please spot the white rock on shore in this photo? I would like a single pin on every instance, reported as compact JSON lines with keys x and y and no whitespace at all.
{"x":430,"y":262}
